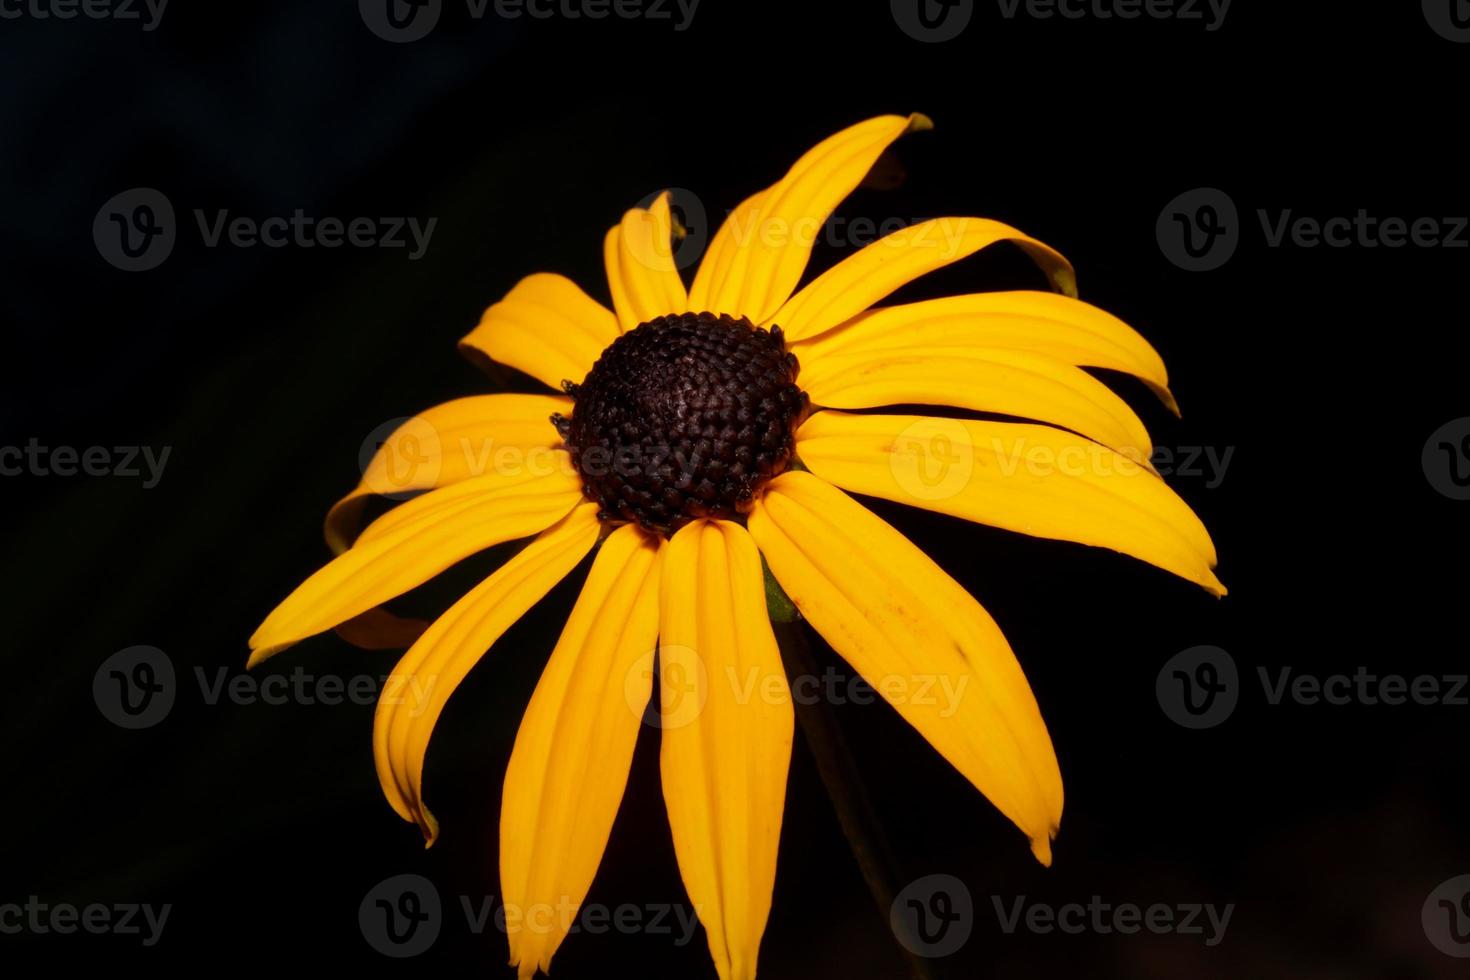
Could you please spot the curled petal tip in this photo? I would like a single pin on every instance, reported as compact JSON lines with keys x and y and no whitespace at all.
{"x":918,"y":122}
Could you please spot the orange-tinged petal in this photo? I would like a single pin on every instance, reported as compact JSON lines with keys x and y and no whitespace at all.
{"x":641,"y":268}
{"x":1043,"y":323}
{"x":759,"y":254}
{"x":575,"y":747}
{"x":422,"y":682}
{"x":467,"y":437}
{"x":1028,"y":478}
{"x":919,"y":639}
{"x":862,"y":279}
{"x":727,"y":720}
{"x":542,"y":472}
{"x":547,"y":327}
{"x":426,"y":538}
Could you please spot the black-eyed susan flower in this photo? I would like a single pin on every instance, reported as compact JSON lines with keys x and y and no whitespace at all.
{"x":700,"y":429}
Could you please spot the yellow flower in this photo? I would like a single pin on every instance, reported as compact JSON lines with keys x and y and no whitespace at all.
{"x":700,"y":432}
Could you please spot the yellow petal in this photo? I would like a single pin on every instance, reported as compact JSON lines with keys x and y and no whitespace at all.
{"x":1028,"y":478}
{"x":716,"y":288}
{"x":575,"y":747}
{"x":433,"y":532}
{"x":860,"y":280}
{"x":641,"y":271}
{"x":919,"y":639}
{"x":759,"y":254}
{"x":547,"y":327}
{"x":724,"y":762}
{"x":548,"y":472}
{"x":422,"y":682}
{"x":1005,"y":382}
{"x":1043,"y":323}
{"x":467,"y":437}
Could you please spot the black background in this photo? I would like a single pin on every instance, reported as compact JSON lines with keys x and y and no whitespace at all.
{"x":1323,"y":369}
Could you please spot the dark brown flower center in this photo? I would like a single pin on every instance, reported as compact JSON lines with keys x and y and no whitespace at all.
{"x":684,"y":416}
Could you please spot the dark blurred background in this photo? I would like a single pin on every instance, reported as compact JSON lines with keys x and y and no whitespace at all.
{"x":1322,"y":371}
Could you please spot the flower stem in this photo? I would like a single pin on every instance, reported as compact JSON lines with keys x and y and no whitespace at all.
{"x":838,"y":769}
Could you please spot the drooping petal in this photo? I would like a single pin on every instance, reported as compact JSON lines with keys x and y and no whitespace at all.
{"x":1028,"y":478}
{"x":757,"y":257}
{"x":862,"y":279}
{"x":575,"y":747}
{"x":428,"y":534}
{"x":919,"y":639}
{"x":422,"y":682}
{"x":448,"y":443}
{"x":1043,"y":323}
{"x":1005,"y":382}
{"x":547,"y":327}
{"x":727,"y":720}
{"x":641,"y":268}
{"x":550,"y":471}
